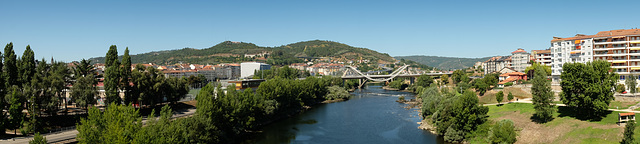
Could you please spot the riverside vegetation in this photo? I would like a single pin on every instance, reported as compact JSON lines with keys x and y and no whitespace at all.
{"x":219,"y":118}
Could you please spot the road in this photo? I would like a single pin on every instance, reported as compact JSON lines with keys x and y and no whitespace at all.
{"x":70,"y":135}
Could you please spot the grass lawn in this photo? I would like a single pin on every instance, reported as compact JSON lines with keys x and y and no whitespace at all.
{"x":567,"y":127}
{"x":622,"y":105}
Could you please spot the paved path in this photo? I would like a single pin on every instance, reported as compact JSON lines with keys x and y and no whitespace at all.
{"x":70,"y":135}
{"x":528,"y":100}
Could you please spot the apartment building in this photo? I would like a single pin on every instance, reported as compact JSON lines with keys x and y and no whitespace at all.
{"x":542,"y":56}
{"x":619,"y":47}
{"x":495,"y":64}
{"x":520,"y":60}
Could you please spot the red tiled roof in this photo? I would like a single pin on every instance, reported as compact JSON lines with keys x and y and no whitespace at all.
{"x":519,"y":51}
{"x":626,"y":114}
{"x":510,"y":79}
{"x":610,"y":33}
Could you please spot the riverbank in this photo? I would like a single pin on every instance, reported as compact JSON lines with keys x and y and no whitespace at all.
{"x":566,"y":127}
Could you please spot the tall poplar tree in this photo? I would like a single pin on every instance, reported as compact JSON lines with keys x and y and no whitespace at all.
{"x":542,"y":96}
{"x":126,"y":75}
{"x":111,"y":76}
{"x":27,"y":66}
{"x":10,"y":66}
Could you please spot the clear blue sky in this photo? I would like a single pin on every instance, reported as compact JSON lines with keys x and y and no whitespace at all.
{"x":72,"y":30}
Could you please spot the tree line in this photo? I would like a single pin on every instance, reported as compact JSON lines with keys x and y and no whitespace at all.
{"x":40,"y":87}
{"x":220,"y":117}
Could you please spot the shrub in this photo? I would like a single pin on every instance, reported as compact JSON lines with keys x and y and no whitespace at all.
{"x":337,"y":92}
{"x":503,"y":132}
{"x":620,"y":88}
{"x":628,"y":133}
{"x":401,"y":98}
{"x":508,"y":84}
{"x":38,"y":139}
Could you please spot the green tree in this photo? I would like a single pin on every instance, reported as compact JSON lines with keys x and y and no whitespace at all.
{"x":542,"y":96}
{"x":458,"y":75}
{"x":27,"y":66}
{"x":431,"y":99}
{"x":444,"y":79}
{"x":424,"y":81}
{"x":467,"y":115}
{"x":38,"y":139}
{"x":337,"y":92}
{"x":534,"y":65}
{"x":84,"y":91}
{"x":632,"y":83}
{"x":629,"y":129}
{"x":3,"y":91}
{"x":481,"y":86}
{"x":112,"y":76}
{"x":126,"y":77}
{"x":503,"y":132}
{"x":510,"y":96}
{"x":499,"y":96}
{"x":587,"y":87}
{"x":10,"y":66}
{"x":15,"y":109}
{"x":118,"y":124}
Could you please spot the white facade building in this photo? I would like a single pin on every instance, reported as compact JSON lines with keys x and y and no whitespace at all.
{"x":520,"y":60}
{"x":248,"y":68}
{"x":568,"y":50}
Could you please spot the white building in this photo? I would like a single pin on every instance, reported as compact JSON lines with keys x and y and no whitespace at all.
{"x":248,"y":68}
{"x":568,"y":50}
{"x":520,"y":60}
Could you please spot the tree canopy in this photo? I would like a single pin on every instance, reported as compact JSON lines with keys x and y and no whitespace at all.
{"x":587,"y":88}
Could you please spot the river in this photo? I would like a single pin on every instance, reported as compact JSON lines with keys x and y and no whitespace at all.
{"x":371,"y":116}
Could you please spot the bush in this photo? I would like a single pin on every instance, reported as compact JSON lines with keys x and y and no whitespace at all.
{"x":503,"y":132}
{"x":401,"y":98}
{"x":620,"y":88}
{"x":499,"y":96}
{"x":38,"y":139}
{"x":628,"y":133}
{"x":508,"y":84}
{"x":397,"y":84}
{"x":337,"y":92}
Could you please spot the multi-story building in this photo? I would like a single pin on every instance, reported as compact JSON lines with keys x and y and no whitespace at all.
{"x":567,"y":50}
{"x":248,"y":68}
{"x":619,"y":47}
{"x":495,"y":64}
{"x":542,"y":56}
{"x":520,"y":60}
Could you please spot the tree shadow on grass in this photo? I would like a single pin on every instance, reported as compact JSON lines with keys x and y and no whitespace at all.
{"x":534,"y":118}
{"x":583,"y":116}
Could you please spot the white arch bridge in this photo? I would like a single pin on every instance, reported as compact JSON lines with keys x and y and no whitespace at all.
{"x":353,"y":73}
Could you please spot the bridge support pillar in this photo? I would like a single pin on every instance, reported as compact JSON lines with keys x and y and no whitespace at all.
{"x":411,"y":80}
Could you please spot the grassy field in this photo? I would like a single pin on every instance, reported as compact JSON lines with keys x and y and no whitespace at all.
{"x":490,"y":96}
{"x":567,"y":127}
{"x":621,"y":104}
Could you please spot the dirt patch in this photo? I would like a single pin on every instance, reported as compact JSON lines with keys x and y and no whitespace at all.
{"x":531,"y":132}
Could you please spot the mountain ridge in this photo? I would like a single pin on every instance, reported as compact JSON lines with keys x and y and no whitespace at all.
{"x":232,"y":52}
{"x":444,"y":63}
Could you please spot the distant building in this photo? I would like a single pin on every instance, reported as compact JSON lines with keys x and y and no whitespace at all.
{"x":494,"y":64}
{"x":248,"y":68}
{"x":542,"y":56}
{"x":520,"y":60}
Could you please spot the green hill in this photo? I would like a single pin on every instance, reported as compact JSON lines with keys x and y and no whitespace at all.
{"x":231,"y":52}
{"x":444,"y":63}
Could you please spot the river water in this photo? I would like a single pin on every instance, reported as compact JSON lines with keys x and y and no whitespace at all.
{"x":371,"y":116}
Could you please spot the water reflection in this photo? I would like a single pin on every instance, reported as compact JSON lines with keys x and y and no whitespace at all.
{"x":370,"y":116}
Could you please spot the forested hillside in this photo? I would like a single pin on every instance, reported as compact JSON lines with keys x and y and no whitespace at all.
{"x":444,"y":63}
{"x":231,"y":52}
